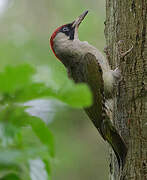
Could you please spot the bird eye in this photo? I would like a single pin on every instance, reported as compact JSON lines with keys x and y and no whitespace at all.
{"x":65,"y":29}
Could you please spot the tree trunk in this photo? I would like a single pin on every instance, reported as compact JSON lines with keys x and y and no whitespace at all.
{"x":126,"y":25}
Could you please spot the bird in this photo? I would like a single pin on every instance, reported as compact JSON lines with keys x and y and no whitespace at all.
{"x":86,"y":64}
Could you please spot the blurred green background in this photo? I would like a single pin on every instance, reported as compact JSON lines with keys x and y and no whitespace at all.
{"x":25,"y":28}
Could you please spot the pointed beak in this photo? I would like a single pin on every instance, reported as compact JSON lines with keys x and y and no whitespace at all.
{"x":78,"y":21}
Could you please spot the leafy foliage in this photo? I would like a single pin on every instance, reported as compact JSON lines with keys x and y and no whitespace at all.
{"x":25,"y":138}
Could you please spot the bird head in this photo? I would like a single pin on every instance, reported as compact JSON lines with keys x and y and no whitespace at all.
{"x":63,"y":38}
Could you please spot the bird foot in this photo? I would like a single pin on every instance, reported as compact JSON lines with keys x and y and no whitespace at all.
{"x":116,"y":74}
{"x":122,"y":53}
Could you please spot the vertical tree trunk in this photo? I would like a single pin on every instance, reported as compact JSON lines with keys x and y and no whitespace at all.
{"x":126,"y":25}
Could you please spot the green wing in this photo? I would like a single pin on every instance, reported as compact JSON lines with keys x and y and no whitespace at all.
{"x":93,"y":77}
{"x":89,"y":71}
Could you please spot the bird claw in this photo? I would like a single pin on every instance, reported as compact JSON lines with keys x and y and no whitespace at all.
{"x":116,"y":73}
{"x":120,"y":52}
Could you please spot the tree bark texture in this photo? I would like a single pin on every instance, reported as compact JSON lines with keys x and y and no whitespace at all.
{"x":126,"y":26}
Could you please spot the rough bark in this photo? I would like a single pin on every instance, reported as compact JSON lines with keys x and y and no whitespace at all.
{"x":126,"y":25}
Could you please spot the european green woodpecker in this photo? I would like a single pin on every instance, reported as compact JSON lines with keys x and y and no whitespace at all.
{"x":85,"y":63}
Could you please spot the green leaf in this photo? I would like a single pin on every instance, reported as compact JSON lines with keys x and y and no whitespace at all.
{"x":24,"y":137}
{"x":15,"y":78}
{"x":10,"y":176}
{"x":34,"y":91}
{"x":18,"y":117}
{"x":63,"y":88}
{"x":17,"y":85}
{"x":43,"y":133}
{"x":47,"y":167}
{"x":76,"y":95}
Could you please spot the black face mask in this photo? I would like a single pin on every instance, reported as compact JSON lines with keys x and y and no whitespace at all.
{"x":68,"y":30}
